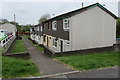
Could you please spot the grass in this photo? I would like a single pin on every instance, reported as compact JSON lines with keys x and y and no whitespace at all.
{"x":117,"y":36}
{"x":19,"y":47}
{"x":39,"y":47}
{"x":35,"y":44}
{"x":27,"y":36}
{"x":90,"y":61}
{"x":16,"y":67}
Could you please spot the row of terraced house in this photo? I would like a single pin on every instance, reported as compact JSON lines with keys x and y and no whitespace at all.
{"x":86,"y":28}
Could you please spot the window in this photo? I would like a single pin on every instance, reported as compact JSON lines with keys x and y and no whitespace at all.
{"x":30,"y":30}
{"x":44,"y":38}
{"x":65,"y":24}
{"x":44,"y":27}
{"x":67,"y":43}
{"x":39,"y":38}
{"x":41,"y":28}
{"x":49,"y":26}
{"x":54,"y":42}
{"x":38,"y":28}
{"x":54,"y":25}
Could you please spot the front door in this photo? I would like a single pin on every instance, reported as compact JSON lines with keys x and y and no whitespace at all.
{"x":47,"y":41}
{"x":61,"y":45}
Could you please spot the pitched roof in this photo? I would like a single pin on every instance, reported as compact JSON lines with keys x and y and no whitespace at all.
{"x":81,"y":10}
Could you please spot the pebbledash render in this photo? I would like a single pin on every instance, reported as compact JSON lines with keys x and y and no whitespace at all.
{"x":86,"y":28}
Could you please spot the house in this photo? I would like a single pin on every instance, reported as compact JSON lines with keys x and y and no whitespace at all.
{"x":7,"y":34}
{"x":36,"y":34}
{"x":8,"y":27}
{"x":87,"y":28}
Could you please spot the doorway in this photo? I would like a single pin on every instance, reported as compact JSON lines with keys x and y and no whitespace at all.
{"x":47,"y":41}
{"x":61,"y":45}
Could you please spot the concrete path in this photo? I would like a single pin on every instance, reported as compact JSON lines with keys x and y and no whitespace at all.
{"x":46,"y":65}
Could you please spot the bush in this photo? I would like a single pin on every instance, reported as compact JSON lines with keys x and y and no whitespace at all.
{"x":118,"y":28}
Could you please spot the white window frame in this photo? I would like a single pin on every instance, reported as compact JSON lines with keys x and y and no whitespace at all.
{"x":67,"y":43}
{"x":65,"y":23}
{"x":54,"y":42}
{"x":31,"y":30}
{"x":38,"y":28}
{"x":41,"y":28}
{"x":53,"y":25}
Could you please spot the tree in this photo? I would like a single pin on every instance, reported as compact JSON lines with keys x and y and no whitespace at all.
{"x":44,"y":18}
{"x":2,"y":21}
{"x":14,"y":23}
{"x":118,"y":28}
{"x":24,"y":28}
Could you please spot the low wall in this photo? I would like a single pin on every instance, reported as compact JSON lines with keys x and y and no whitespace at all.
{"x":19,"y":55}
{"x":8,"y":44}
{"x":115,"y":47}
{"x":48,"y":51}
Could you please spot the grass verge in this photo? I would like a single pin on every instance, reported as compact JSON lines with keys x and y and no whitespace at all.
{"x":39,"y":47}
{"x":14,"y":67}
{"x":35,"y":44}
{"x":19,"y":47}
{"x":90,"y":61}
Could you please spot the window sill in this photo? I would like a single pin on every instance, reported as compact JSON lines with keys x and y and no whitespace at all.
{"x":66,"y":29}
{"x":54,"y":47}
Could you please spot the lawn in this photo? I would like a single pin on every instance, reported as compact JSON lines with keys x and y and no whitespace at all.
{"x":14,"y":67}
{"x":90,"y":61}
{"x":19,"y":47}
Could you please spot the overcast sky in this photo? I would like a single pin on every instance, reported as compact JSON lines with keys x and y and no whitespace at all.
{"x":30,"y":12}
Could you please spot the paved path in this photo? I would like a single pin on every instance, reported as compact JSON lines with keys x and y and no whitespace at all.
{"x":46,"y":65}
{"x":99,"y":73}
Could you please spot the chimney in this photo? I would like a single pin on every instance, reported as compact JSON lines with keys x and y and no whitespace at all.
{"x":82,"y":4}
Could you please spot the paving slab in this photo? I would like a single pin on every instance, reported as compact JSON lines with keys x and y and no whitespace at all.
{"x":46,"y":65}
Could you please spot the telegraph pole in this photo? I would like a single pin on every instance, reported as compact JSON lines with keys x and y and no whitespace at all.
{"x":14,"y":18}
{"x":15,"y":24}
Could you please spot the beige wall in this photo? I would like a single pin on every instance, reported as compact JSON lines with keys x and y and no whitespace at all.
{"x":92,"y":28}
{"x":45,"y":42}
{"x":50,"y":41}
